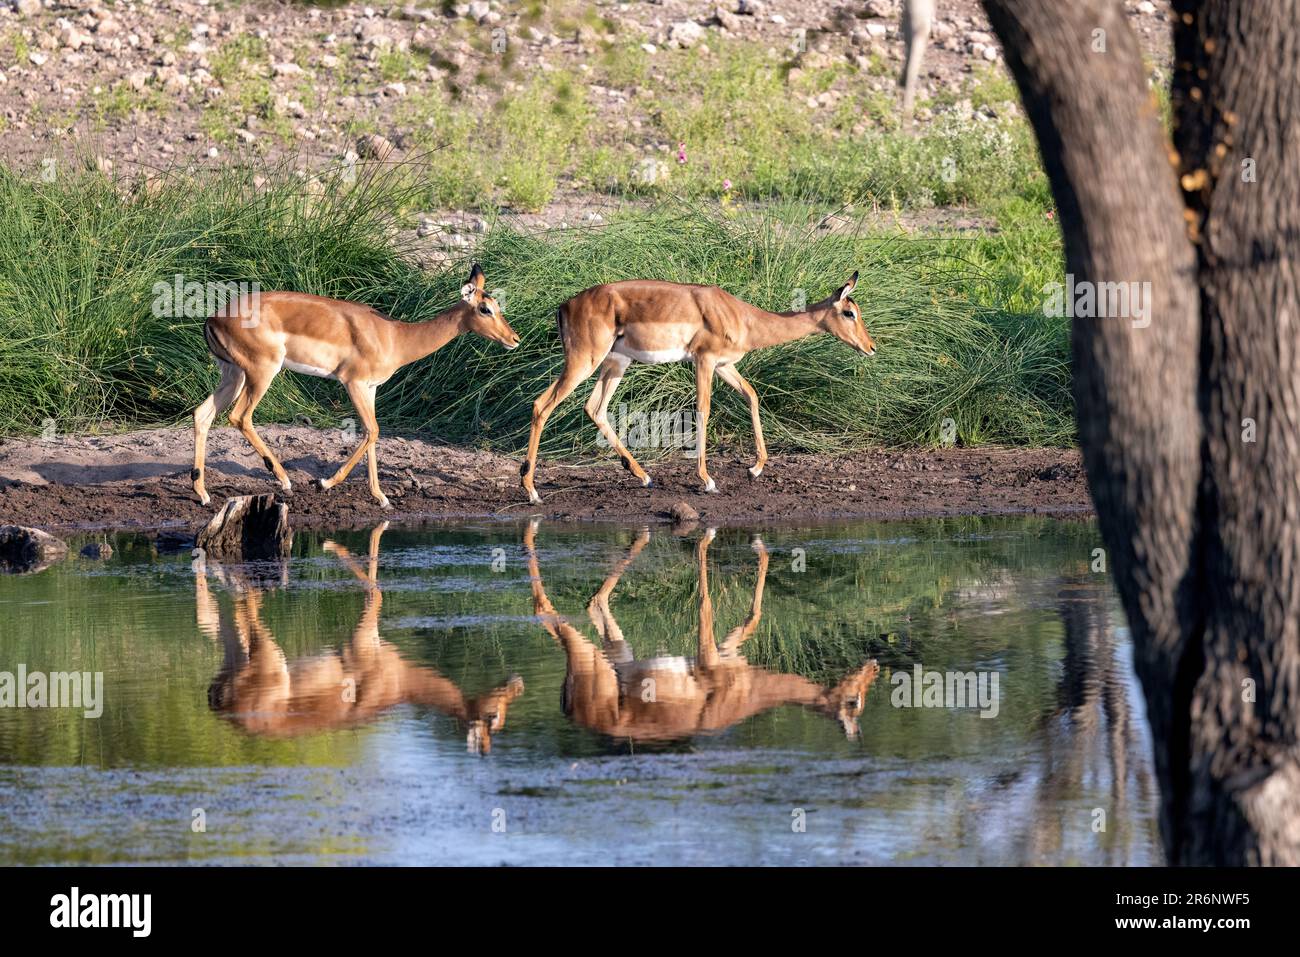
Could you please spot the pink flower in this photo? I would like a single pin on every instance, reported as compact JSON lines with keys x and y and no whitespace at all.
{"x":1050,"y":215}
{"x":681,"y":153}
{"x":726,"y":185}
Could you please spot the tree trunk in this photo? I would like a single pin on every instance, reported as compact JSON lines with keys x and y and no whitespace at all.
{"x":1202,"y":526}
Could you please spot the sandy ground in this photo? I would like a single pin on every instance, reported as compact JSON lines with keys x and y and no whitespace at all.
{"x":141,"y":480}
{"x":138,"y":86}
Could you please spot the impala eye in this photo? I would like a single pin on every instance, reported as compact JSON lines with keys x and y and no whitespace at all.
{"x":485,"y":309}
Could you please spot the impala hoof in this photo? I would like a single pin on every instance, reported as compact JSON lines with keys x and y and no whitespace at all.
{"x":755,"y":471}
{"x":710,"y":486}
{"x":205,"y":500}
{"x":384,"y":502}
{"x":647,"y":482}
{"x":534,"y":498}
{"x":319,"y":484}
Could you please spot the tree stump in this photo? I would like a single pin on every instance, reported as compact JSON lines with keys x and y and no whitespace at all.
{"x":24,"y":550}
{"x":248,"y":528}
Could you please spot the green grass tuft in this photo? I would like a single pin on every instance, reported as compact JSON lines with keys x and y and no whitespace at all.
{"x":960,"y":330}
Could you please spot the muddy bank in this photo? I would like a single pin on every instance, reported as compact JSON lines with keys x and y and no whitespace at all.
{"x":141,"y":480}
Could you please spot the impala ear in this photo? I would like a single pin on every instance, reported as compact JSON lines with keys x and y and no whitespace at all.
{"x":473,"y":288}
{"x":848,"y":287}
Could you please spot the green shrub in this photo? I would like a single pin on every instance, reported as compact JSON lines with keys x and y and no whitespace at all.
{"x":958,"y":320}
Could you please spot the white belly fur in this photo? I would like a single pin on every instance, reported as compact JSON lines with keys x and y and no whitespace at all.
{"x":307,"y":370}
{"x":652,"y":357}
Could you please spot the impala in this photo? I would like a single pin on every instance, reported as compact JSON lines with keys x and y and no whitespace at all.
{"x":610,"y":690}
{"x":611,"y":326}
{"x":264,"y":693}
{"x":256,"y":336}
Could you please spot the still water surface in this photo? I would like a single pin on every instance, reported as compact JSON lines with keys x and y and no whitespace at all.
{"x":496,"y":693}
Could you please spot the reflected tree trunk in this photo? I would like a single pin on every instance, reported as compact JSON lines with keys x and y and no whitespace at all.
{"x":1190,"y":424}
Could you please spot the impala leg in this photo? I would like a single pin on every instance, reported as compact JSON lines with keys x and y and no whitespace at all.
{"x":259,"y":380}
{"x":729,"y":375}
{"x":363,"y":399}
{"x":598,"y":609}
{"x":738,"y":636}
{"x":917,"y":15}
{"x":611,"y":374}
{"x":232,"y":381}
{"x":575,"y":371}
{"x":708,"y":650}
{"x":703,"y":396}
{"x":372,"y":451}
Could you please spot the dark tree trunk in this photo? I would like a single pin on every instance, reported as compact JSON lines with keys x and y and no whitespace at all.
{"x":1203,"y":528}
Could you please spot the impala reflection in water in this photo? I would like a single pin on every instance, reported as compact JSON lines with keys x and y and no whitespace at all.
{"x":610,"y":690}
{"x":263,"y":692}
{"x":686,"y":692}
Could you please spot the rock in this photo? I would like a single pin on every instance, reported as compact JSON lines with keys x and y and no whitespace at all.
{"x":478,"y":10}
{"x":750,"y":8}
{"x":880,"y":9}
{"x":28,"y":8}
{"x":24,"y":550}
{"x":375,"y":147}
{"x":685,"y":33}
{"x":97,"y":550}
{"x":682,"y":514}
{"x":1146,"y":7}
{"x":248,"y":528}
{"x":726,"y":19}
{"x":412,"y":12}
{"x":73,"y":39}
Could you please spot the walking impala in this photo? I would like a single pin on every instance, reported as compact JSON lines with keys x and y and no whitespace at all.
{"x":642,"y":320}
{"x":260,"y":334}
{"x":609,"y":690}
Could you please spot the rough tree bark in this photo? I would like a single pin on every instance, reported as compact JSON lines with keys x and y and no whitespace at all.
{"x":1202,"y":525}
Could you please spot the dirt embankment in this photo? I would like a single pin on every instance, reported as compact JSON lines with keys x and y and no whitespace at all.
{"x":141,"y":480}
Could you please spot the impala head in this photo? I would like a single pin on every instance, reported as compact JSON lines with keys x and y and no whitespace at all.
{"x":850,"y":697}
{"x":489,"y":715}
{"x":843,"y":319}
{"x":484,"y":315}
